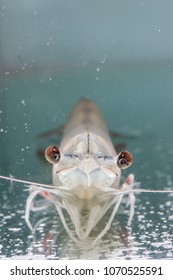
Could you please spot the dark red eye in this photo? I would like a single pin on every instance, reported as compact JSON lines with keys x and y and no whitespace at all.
{"x":53,"y":154}
{"x":125,"y":159}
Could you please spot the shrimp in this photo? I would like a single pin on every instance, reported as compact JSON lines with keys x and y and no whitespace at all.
{"x":86,"y":176}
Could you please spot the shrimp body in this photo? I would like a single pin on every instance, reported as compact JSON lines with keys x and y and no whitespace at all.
{"x":87,"y":170}
{"x":86,"y":176}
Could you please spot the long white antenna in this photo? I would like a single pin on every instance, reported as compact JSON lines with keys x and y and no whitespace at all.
{"x":25,"y":182}
{"x":116,"y":191}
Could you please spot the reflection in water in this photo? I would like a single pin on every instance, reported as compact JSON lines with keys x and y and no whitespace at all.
{"x":155,"y":226}
{"x":147,"y":238}
{"x":50,"y":239}
{"x":150,"y":236}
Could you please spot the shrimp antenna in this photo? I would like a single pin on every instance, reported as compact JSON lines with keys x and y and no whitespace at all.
{"x":117,"y":192}
{"x":26,"y":182}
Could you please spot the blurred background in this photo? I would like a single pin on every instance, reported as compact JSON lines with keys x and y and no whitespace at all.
{"x":118,"y":53}
{"x":49,"y":33}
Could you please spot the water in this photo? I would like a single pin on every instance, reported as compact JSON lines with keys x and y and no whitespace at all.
{"x":136,"y":99}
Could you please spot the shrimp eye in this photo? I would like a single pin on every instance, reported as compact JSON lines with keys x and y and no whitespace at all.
{"x":53,"y":154}
{"x":125,"y":159}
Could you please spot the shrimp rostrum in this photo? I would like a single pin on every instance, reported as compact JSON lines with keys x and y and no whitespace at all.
{"x":86,"y":175}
